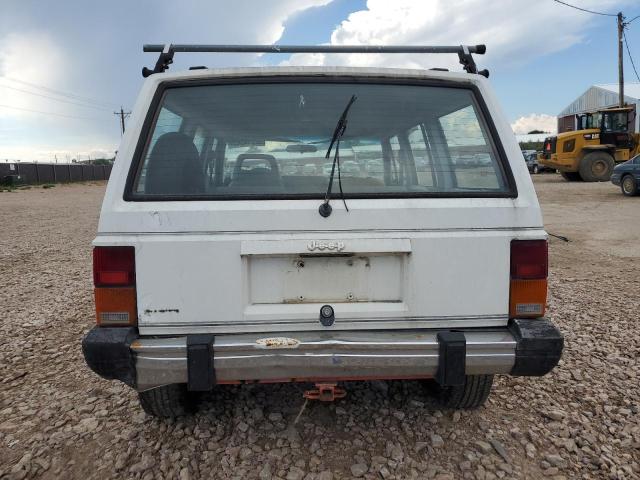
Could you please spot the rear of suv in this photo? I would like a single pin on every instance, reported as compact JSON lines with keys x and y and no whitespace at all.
{"x":245,"y":237}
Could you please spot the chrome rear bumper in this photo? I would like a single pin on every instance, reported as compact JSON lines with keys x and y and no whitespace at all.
{"x":524,"y":347}
{"x":321,"y":355}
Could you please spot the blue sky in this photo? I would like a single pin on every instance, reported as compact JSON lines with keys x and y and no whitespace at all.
{"x":66,"y":66}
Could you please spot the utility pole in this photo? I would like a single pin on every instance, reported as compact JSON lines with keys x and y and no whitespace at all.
{"x":122,"y":114}
{"x":620,"y":58}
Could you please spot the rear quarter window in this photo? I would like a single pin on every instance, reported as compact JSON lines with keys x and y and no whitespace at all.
{"x":471,"y":151}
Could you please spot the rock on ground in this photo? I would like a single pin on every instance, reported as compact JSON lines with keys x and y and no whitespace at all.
{"x":59,"y":420}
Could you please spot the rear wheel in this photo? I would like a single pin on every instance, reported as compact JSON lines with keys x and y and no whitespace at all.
{"x":596,"y":167}
{"x":571,"y":176}
{"x":168,"y":401}
{"x":472,"y":394}
{"x":629,"y":186}
{"x":536,"y":169}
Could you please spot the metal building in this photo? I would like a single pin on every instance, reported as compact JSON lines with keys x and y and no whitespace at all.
{"x":596,"y":98}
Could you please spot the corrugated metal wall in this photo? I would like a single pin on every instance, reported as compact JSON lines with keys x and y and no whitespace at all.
{"x":591,"y":100}
{"x":595,"y":98}
{"x":55,"y":172}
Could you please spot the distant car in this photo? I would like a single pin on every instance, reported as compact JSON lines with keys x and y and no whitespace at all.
{"x":627,"y":176}
{"x":309,"y":169}
{"x":350,"y":169}
{"x":532,"y":161}
{"x":466,"y":161}
{"x":375,"y":168}
{"x":482,"y":159}
{"x":533,"y":165}
{"x":422,"y":164}
{"x":290,"y":169}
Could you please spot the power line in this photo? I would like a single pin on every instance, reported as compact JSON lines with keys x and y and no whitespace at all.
{"x":53,"y":98}
{"x":61,"y":93}
{"x":586,"y":10}
{"x":634,"y":18}
{"x":47,"y":113}
{"x":630,"y":57}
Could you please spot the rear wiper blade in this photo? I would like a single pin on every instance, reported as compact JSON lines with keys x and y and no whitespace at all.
{"x":325,"y":207}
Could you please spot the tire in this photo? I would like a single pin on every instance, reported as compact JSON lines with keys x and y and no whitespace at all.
{"x":168,"y":401}
{"x":629,"y":186}
{"x":472,"y":394}
{"x":596,"y":167}
{"x":536,"y":170}
{"x":571,"y":176}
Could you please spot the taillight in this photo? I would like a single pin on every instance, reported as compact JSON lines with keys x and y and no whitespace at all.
{"x":528,"y":286}
{"x":114,"y":266}
{"x":114,"y":278}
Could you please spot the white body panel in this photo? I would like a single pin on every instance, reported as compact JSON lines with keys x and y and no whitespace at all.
{"x":234,"y":266}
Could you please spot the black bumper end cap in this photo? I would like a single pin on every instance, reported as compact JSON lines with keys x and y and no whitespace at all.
{"x":200,"y":369}
{"x":539,"y":346}
{"x":452,"y":355}
{"x":107,"y":352}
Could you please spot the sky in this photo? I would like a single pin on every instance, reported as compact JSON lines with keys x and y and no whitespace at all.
{"x":67,"y":66}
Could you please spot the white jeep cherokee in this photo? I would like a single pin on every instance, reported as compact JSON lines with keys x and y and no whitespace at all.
{"x":233,"y":248}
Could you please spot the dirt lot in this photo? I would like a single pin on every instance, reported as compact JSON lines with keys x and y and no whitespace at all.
{"x":59,"y":420}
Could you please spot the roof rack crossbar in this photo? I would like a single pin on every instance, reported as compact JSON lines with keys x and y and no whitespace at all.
{"x":167,"y":52}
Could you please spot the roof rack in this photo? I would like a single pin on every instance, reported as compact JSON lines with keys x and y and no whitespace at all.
{"x":167,"y":52}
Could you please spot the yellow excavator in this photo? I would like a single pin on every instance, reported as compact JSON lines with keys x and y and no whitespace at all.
{"x":589,"y":153}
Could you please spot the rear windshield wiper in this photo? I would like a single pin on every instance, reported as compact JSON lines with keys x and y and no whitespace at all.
{"x":325,"y":208}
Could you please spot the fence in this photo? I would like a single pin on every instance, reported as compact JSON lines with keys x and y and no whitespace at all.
{"x":54,"y":172}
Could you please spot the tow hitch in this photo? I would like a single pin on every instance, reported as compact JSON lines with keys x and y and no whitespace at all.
{"x":325,"y":392}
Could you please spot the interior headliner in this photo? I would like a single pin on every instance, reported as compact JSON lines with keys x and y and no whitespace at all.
{"x":312,"y":109}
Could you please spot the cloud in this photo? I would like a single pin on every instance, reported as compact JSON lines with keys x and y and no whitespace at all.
{"x":514,"y":31}
{"x":96,"y":54}
{"x":281,"y":12}
{"x":535,"y":121}
{"x":25,"y":56}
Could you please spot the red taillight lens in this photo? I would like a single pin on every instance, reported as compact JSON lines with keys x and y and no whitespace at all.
{"x":114,"y":276}
{"x":114,"y":266}
{"x":529,"y":259}
{"x":528,"y":286}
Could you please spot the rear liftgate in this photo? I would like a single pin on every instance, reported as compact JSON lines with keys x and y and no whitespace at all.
{"x":200,"y":348}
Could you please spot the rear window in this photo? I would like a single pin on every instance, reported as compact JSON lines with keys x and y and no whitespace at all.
{"x":269,"y":140}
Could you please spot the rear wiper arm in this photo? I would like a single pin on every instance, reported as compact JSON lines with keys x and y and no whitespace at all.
{"x":325,"y":208}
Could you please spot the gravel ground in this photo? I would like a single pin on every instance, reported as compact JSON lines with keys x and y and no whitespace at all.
{"x":59,"y":420}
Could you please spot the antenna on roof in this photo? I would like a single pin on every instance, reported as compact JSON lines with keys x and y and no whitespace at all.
{"x":167,"y":52}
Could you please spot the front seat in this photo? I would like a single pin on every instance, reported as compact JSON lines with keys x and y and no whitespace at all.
{"x":263,"y":178}
{"x":174,"y":167}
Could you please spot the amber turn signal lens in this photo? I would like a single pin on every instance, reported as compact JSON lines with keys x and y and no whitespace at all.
{"x":116,"y":306}
{"x":528,"y":298}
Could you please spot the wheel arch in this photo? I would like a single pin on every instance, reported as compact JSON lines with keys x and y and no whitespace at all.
{"x":610,"y":149}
